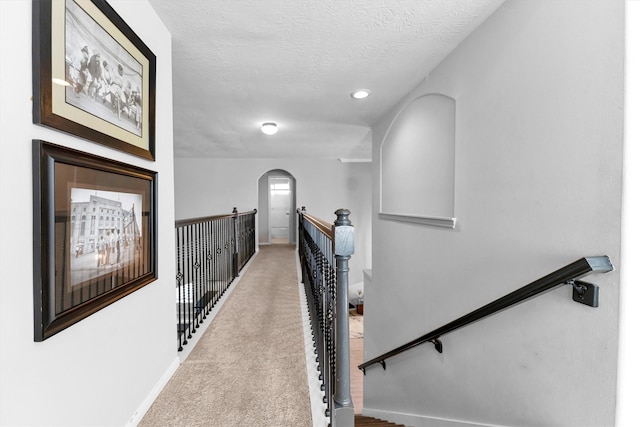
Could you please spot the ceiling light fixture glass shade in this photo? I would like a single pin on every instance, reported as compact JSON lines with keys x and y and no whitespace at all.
{"x":269,"y":128}
{"x":360,"y":94}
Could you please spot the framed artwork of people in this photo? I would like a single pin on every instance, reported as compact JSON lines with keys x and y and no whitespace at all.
{"x":93,"y":77}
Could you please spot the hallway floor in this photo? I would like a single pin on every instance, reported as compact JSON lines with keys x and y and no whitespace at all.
{"x":248,"y":367}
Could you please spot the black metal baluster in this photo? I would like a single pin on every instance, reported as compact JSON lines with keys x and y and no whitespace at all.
{"x":189,"y":281}
{"x":240,"y":241}
{"x":220,"y":255}
{"x":217,"y":258}
{"x":223,"y":255}
{"x":216,"y":292}
{"x":185,"y":295}
{"x":179,"y":288}
{"x":197,"y":284}
{"x":228,"y":250}
{"x":207,"y":267}
{"x":203,"y":269}
{"x":185,"y":281}
{"x":245,"y":240}
{"x":193,"y":287}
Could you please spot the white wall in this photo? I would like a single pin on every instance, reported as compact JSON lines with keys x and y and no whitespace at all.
{"x":628,"y":368}
{"x":102,"y":369}
{"x":539,"y":97}
{"x":213,"y":186}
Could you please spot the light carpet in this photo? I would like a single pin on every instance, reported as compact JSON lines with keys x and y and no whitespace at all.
{"x":248,"y":369}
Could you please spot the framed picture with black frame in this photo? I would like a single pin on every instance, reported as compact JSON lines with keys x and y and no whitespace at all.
{"x":93,"y":77}
{"x":95,"y":234}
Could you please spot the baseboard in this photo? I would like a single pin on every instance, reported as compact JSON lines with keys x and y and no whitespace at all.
{"x":153,"y":394}
{"x":421,"y":420}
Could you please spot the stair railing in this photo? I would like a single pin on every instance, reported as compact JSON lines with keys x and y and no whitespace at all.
{"x":210,"y":253}
{"x":325,"y":250}
{"x":583,"y":292}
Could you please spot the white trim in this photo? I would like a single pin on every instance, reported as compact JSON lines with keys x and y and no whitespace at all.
{"x":435,"y":221}
{"x":420,"y":420}
{"x":153,"y":394}
{"x":355,"y":160}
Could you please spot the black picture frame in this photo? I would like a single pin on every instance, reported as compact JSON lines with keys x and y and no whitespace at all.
{"x":95,"y":234}
{"x":93,"y":77}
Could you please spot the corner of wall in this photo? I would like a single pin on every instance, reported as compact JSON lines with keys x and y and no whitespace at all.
{"x":153,"y":394}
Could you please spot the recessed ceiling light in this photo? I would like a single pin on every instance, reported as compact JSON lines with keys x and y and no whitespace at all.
{"x":269,"y":128}
{"x":360,"y":94}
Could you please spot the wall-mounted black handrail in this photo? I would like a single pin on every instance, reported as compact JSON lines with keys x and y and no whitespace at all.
{"x":583,"y":292}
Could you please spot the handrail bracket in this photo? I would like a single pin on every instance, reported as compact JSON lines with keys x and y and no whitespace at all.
{"x":436,"y":342}
{"x":585,"y":293}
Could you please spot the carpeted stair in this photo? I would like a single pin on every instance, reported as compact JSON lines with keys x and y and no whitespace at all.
{"x":361,"y":420}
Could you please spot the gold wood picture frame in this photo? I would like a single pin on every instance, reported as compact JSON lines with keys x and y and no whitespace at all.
{"x":93,"y":77}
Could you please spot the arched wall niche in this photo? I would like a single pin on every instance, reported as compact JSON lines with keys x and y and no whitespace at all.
{"x":417,"y":163}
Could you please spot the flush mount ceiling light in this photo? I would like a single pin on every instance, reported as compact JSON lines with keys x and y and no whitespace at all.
{"x":269,"y":128}
{"x":360,"y":93}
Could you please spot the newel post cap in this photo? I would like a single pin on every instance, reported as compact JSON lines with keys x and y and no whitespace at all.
{"x":344,"y":234}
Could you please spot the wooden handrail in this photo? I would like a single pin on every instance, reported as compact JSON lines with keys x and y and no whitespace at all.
{"x":325,"y":227}
{"x":585,"y":293}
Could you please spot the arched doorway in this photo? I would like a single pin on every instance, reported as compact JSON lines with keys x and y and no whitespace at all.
{"x":277,"y":207}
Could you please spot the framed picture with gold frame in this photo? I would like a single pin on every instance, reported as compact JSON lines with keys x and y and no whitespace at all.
{"x":93,"y":77}
{"x":94,"y":234}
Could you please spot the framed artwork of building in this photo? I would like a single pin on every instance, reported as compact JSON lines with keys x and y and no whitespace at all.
{"x":93,"y":77}
{"x":94,"y":234}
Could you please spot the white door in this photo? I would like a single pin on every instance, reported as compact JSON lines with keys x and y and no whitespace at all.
{"x":279,"y":207}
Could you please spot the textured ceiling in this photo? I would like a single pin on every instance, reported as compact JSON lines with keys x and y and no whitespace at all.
{"x":238,"y":63}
